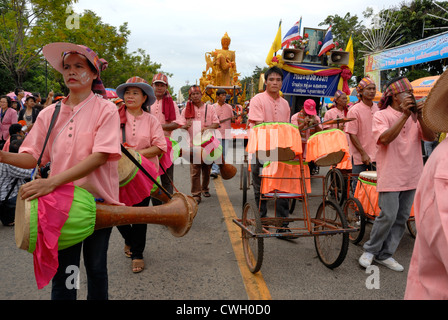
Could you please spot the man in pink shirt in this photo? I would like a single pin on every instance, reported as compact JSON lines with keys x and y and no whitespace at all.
{"x":269,"y":106}
{"x":398,"y":136}
{"x":197,"y":117}
{"x":428,"y":271}
{"x":225,"y":115}
{"x":362,"y":145}
{"x":167,"y":112}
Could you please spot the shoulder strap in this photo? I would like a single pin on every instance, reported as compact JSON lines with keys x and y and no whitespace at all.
{"x":50,"y":128}
{"x":12,"y":188}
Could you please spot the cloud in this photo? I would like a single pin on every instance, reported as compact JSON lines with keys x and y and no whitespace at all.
{"x":177,"y":34}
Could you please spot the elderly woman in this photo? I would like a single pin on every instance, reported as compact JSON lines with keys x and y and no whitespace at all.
{"x":84,"y":149}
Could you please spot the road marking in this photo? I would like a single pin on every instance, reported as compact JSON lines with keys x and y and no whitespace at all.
{"x":255,"y":285}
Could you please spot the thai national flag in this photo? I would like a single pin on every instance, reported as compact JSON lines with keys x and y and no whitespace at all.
{"x":292,"y":34}
{"x":328,"y":43}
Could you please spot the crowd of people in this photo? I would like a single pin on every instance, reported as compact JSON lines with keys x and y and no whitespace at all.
{"x":85,"y":142}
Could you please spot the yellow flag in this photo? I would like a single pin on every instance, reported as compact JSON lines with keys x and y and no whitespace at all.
{"x":351,"y":59}
{"x":276,"y":45}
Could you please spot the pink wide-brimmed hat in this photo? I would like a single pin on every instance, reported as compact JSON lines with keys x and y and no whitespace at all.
{"x":55,"y":53}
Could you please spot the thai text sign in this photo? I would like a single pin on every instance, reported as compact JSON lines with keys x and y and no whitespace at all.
{"x":310,"y":85}
{"x":429,"y":49}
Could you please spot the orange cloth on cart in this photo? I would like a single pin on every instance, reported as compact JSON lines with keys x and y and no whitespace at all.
{"x":325,"y":142}
{"x":284,"y":177}
{"x":273,"y":135}
{"x":367,"y":195}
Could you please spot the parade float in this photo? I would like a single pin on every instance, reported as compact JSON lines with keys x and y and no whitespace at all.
{"x":221,"y":73}
{"x":313,"y":65}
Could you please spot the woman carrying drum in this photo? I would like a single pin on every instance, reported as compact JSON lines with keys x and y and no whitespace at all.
{"x":84,"y":149}
{"x":143,"y":133}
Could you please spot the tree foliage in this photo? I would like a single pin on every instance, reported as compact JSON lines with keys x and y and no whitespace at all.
{"x":27,"y":25}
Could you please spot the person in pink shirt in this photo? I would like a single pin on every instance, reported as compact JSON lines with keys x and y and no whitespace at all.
{"x":198,"y":117}
{"x":339,"y":110}
{"x":8,"y":116}
{"x":167,"y":112}
{"x":225,"y":115}
{"x":269,"y":106}
{"x":84,"y":148}
{"x":428,"y":271}
{"x":362,"y":145}
{"x":307,"y":117}
{"x":398,"y":132}
{"x":143,"y":133}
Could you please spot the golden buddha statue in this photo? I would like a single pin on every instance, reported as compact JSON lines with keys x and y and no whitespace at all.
{"x":225,"y":63}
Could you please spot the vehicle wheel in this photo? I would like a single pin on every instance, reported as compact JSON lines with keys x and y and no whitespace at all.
{"x":411,"y":227}
{"x":245,"y":187}
{"x":354,"y":214}
{"x":331,"y":246}
{"x":252,"y":245}
{"x":335,"y":186}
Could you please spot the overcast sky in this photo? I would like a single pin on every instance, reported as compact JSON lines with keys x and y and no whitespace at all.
{"x":178,"y":33}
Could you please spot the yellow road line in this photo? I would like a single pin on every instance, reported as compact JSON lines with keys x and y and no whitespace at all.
{"x":255,"y":285}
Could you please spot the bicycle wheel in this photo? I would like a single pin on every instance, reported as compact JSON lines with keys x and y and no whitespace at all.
{"x":335,"y":186}
{"x":245,"y":188}
{"x":411,"y":227}
{"x":331,"y":247}
{"x":354,"y":214}
{"x":252,"y":245}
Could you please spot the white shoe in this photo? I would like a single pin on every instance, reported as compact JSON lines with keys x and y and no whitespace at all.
{"x":366,"y":259}
{"x":391,"y":263}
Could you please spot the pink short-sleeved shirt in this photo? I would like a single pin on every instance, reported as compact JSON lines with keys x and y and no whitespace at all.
{"x":156,"y":110}
{"x":224,"y":112}
{"x":145,"y":131}
{"x":264,"y":108}
{"x":204,"y":117}
{"x":362,"y":128}
{"x":331,"y":114}
{"x":400,"y":163}
{"x":428,"y":271}
{"x":92,"y":126}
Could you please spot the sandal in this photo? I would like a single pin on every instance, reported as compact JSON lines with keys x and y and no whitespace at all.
{"x":138,"y":265}
{"x":197,"y":199}
{"x":206,"y":194}
{"x":127,"y":251}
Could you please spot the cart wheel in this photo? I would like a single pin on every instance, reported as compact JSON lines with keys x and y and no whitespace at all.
{"x":411,"y":227}
{"x":252,"y":245}
{"x":335,"y":186}
{"x":354,"y":214}
{"x":331,"y":247}
{"x":292,"y":205}
{"x":245,"y":186}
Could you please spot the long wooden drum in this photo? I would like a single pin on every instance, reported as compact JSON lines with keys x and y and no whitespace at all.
{"x":275,"y":141}
{"x":70,"y":215}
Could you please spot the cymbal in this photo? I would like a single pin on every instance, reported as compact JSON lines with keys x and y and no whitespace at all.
{"x":338,"y":120}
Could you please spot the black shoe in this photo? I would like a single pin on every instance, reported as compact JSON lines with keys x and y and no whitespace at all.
{"x":286,"y":230}
{"x":214,"y":175}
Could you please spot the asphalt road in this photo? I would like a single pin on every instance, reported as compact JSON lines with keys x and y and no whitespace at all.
{"x":206,"y":263}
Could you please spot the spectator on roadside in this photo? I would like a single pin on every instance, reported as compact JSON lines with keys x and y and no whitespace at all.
{"x":14,"y":129}
{"x":20,"y":94}
{"x":7,"y":117}
{"x":11,"y":177}
{"x":29,"y":114}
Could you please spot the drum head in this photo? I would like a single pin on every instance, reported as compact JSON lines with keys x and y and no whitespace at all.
{"x":369,"y":175}
{"x":126,"y":168}
{"x":22,"y":222}
{"x":330,"y":159}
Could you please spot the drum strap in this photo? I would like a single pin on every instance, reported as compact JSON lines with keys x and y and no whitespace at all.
{"x":10,"y":191}
{"x":50,"y":128}
{"x":129,"y":155}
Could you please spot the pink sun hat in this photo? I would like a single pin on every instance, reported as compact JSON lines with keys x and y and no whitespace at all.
{"x":310,"y":107}
{"x":56,"y":52}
